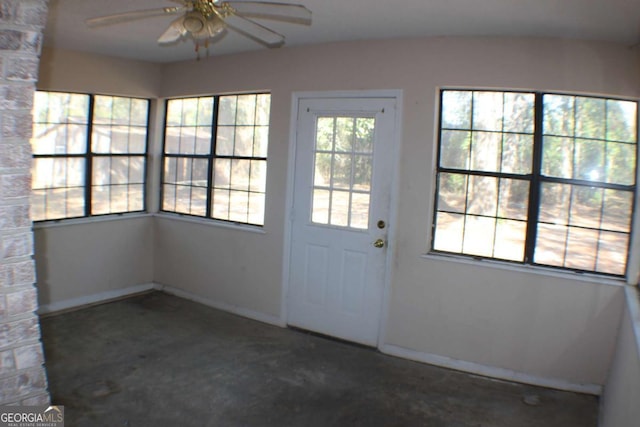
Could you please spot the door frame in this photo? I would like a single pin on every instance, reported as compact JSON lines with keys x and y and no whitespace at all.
{"x":296,"y":99}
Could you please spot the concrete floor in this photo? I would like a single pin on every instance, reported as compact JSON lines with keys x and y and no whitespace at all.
{"x":158,"y":360}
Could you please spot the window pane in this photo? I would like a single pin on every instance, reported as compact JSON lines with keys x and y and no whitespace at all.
{"x":203,"y":140}
{"x":487,"y":111}
{"x":557,"y":157}
{"x":256,"y":208}
{"x":559,"y":116}
{"x":172,"y":140}
{"x":238,"y":206}
{"x":456,"y":109}
{"x":621,"y":163}
{"x":261,"y":141}
{"x":482,"y":196}
{"x":139,"y":112}
{"x":554,"y":203}
{"x":322,"y":175}
{"x":183,"y":199}
{"x":586,"y":206}
{"x":320,"y":209}
{"x":364,"y":134}
{"x":622,"y":121}
{"x":344,"y":134}
{"x":617,"y":211}
{"x":514,"y":199}
{"x":263,"y":109}
{"x":362,"y":170}
{"x":220,"y":203}
{"x":205,"y":111}
{"x":581,"y":249}
{"x":517,"y":153}
{"x":243,"y":141}
{"x":227,"y":110}
{"x":174,"y":112}
{"x":188,"y":140}
{"x":198,"y":201}
{"x":550,"y":244}
{"x":452,"y":192}
{"x":486,"y":151}
{"x":342,"y":171}
{"x":222,"y":173}
{"x":246,"y":110}
{"x":240,"y":170}
{"x":590,"y":118}
{"x":137,"y":140}
{"x":325,"y":133}
{"x":478,"y":236}
{"x":340,"y":208}
{"x":360,"y":211}
{"x":455,"y":149}
{"x":258,"y":179}
{"x":225,"y":140}
{"x":519,"y":112}
{"x":510,"y":240}
{"x":169,"y":198}
{"x":612,"y":251}
{"x":189,"y":112}
{"x":449,"y":232}
{"x":589,"y":160}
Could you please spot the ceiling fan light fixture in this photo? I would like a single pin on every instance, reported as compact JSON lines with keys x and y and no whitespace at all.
{"x":194,"y":22}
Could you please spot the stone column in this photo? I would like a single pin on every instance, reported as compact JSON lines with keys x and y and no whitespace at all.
{"x":22,"y":375}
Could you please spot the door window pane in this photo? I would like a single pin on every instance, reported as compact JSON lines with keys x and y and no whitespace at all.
{"x":343,"y":168}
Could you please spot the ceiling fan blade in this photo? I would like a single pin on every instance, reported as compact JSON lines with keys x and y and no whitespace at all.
{"x":174,"y":32}
{"x":134,"y":15}
{"x":254,"y":30}
{"x":285,"y":12}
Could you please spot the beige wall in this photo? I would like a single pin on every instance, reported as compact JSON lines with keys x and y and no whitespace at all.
{"x":69,"y":71}
{"x":620,"y":406}
{"x":75,"y":262}
{"x":544,"y":326}
{"x":540,"y":325}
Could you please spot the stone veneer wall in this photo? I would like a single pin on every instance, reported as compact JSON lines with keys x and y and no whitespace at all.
{"x":22,"y":375}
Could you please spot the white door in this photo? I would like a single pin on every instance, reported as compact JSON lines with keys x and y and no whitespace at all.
{"x":343,"y":174}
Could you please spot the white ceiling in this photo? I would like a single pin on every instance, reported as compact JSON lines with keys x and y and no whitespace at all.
{"x":338,"y":20}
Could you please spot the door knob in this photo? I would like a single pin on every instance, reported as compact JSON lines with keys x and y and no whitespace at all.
{"x":379,"y":243}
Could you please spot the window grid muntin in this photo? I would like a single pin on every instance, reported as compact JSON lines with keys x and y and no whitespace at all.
{"x":212,"y":156}
{"x":87,"y":153}
{"x":331,"y":188}
{"x":577,"y":182}
{"x":498,"y":173}
{"x":537,"y":177}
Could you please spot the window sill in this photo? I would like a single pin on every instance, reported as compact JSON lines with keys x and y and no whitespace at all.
{"x":210,"y":222}
{"x":89,"y":220}
{"x":530,"y":269}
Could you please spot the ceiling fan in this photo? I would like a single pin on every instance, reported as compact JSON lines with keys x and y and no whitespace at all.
{"x":207,"y":20}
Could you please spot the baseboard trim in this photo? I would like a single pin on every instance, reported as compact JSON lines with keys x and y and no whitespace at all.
{"x":240,"y":311}
{"x":89,"y":300}
{"x":490,"y":371}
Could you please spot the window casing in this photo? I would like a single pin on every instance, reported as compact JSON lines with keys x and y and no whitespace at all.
{"x":89,"y":155}
{"x":536,"y":178}
{"x":215,"y":157}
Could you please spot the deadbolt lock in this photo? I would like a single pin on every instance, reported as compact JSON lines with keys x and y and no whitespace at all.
{"x":381,"y":224}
